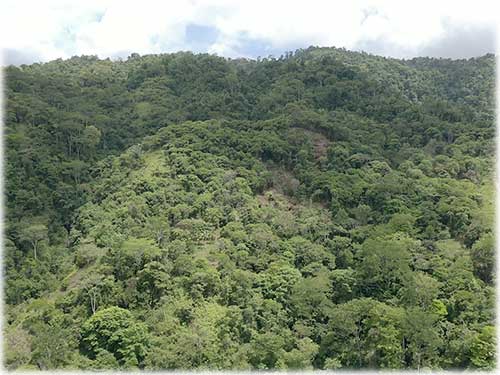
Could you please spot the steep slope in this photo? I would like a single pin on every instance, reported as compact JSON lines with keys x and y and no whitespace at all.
{"x":327,"y":209}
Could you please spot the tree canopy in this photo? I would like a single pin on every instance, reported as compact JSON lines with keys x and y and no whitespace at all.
{"x":326,"y":209}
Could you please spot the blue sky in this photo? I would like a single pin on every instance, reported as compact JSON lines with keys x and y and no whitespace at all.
{"x":34,"y":31}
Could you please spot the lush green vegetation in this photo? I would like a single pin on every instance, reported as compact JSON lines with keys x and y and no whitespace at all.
{"x":323,"y":210}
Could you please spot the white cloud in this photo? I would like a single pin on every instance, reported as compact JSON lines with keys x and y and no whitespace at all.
{"x":108,"y":28}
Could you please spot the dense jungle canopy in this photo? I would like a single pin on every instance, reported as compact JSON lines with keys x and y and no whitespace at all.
{"x":325,"y":209}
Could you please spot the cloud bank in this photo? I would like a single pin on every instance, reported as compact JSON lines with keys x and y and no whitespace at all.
{"x":38,"y":31}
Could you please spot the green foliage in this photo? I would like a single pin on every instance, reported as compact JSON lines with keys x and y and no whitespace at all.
{"x":483,"y":256}
{"x":114,"y":330}
{"x":322,"y":210}
{"x":483,"y":349}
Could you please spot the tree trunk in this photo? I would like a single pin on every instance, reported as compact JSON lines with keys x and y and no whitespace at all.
{"x":93,"y":301}
{"x":35,"y":249}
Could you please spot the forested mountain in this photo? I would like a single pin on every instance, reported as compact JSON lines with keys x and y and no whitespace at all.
{"x":322,"y":210}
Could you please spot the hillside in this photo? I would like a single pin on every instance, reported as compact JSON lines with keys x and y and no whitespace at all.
{"x":326,"y":209}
